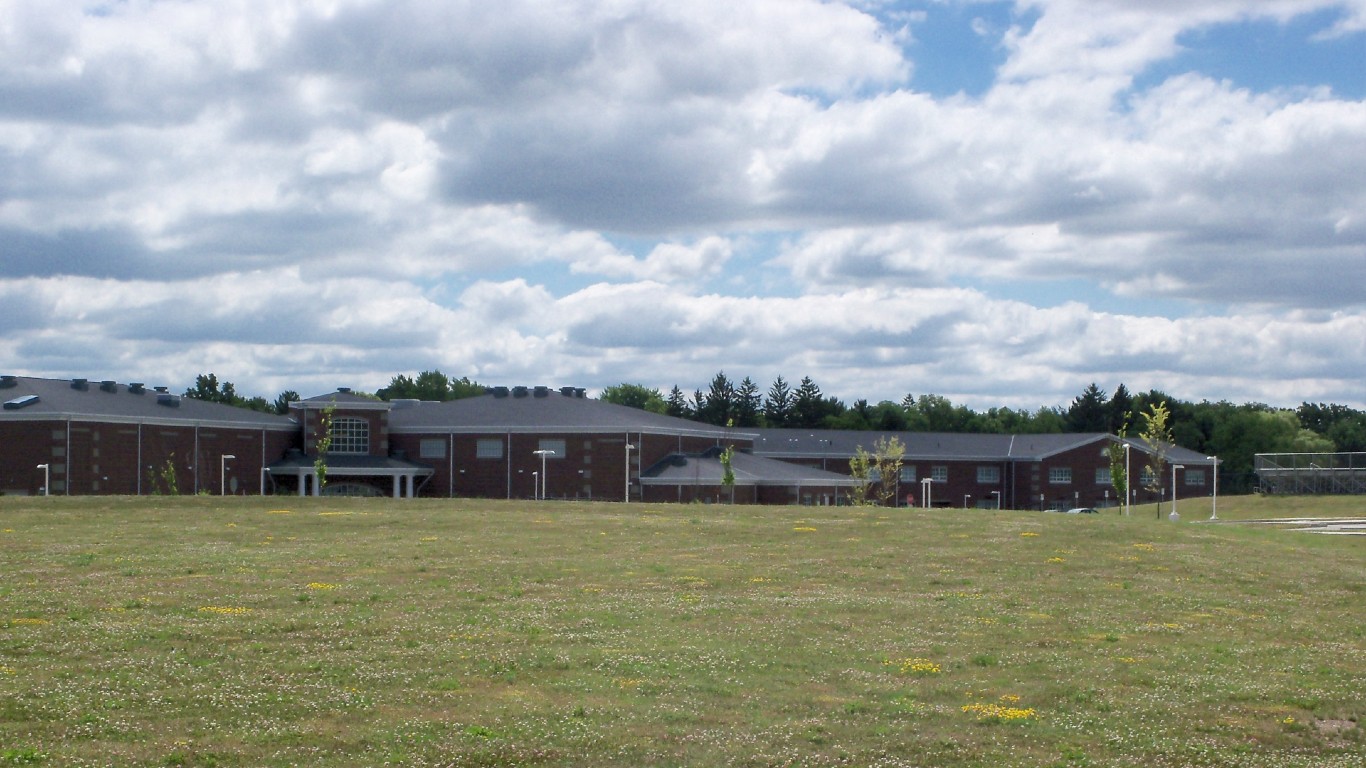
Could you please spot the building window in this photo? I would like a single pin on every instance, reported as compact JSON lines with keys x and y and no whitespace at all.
{"x":1059,"y":475}
{"x":1146,"y":478}
{"x":939,"y":474}
{"x":350,"y":435}
{"x":488,"y":449}
{"x":989,"y":475}
{"x":434,"y":448}
{"x":1103,"y":476}
{"x":1195,"y":477}
{"x":908,"y":473}
{"x":556,"y":448}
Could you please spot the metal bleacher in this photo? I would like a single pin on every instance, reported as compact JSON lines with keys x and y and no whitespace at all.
{"x":1311,"y":473}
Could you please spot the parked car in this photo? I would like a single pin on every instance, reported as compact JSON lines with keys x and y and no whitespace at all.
{"x":1082,"y":511}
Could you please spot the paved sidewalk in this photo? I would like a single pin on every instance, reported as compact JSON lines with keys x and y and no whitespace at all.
{"x":1336,"y":526}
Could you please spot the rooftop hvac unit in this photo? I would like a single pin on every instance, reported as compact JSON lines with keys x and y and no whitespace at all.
{"x":8,"y":381}
{"x":81,"y":384}
{"x":168,"y":400}
{"x":109,"y":386}
{"x":519,"y":391}
{"x":136,"y":388}
{"x":543,"y":391}
{"x":498,"y":391}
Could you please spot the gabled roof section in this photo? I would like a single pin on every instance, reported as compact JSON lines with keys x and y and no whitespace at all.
{"x":548,"y":411}
{"x":342,"y":398}
{"x":84,"y":400}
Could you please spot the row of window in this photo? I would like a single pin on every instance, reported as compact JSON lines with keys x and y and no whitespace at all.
{"x":351,"y":435}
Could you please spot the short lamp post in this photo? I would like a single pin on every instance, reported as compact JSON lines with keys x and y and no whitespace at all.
{"x":223,"y":473}
{"x":926,"y":485}
{"x":629,"y":448}
{"x":1214,"y":503}
{"x":1173,"y":516}
{"x":966,"y":496}
{"x":997,"y":494}
{"x":1128,"y":478}
{"x":536,"y":485}
{"x":47,"y":478}
{"x":544,"y":452}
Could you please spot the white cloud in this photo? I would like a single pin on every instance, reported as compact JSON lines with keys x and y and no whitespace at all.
{"x":366,"y":188}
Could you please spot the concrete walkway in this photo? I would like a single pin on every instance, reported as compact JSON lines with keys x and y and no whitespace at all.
{"x":1336,"y":526}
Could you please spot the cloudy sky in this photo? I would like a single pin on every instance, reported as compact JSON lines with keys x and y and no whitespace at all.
{"x":999,"y":202}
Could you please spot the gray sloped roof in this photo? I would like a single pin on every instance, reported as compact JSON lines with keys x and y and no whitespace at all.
{"x":549,"y":412}
{"x":114,"y":402}
{"x":816,"y":444}
{"x":680,"y":469}
{"x":342,"y":398}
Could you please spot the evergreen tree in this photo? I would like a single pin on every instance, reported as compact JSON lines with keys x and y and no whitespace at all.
{"x":1119,"y":411}
{"x":748,"y":404}
{"x":718,"y":405}
{"x":1088,"y":412}
{"x":677,"y":404}
{"x":281,"y":404}
{"x":778,"y":404}
{"x":807,"y":404}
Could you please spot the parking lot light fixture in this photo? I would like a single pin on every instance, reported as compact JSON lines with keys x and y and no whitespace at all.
{"x":47,"y":478}
{"x":1214,"y":503}
{"x":1174,"y":517}
{"x":544,"y":452}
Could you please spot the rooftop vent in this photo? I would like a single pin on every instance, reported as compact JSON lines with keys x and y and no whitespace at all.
{"x":137,"y":388}
{"x":20,"y":402}
{"x":498,"y":391}
{"x":519,"y":391}
{"x":109,"y":386}
{"x":543,"y":391}
{"x":344,"y":390}
{"x":162,"y":390}
{"x":168,"y":400}
{"x":81,"y":384}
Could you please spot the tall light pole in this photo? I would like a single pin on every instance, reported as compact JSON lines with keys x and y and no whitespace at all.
{"x":1174,"y":517}
{"x":47,"y":478}
{"x":1214,"y":503}
{"x":629,"y":448}
{"x":1128,"y":478}
{"x":223,"y":473}
{"x":543,"y":453}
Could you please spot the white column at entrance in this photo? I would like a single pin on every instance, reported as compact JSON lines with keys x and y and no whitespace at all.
{"x":302,"y":480}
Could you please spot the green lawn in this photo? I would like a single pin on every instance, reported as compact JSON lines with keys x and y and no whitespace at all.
{"x":285,"y":631}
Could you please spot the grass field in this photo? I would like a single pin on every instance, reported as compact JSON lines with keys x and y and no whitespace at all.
{"x":283,"y":631}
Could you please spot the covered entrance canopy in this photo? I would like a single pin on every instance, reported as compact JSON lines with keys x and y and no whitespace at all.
{"x":402,"y":474}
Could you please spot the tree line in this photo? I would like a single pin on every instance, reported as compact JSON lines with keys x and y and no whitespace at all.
{"x":1235,"y":433}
